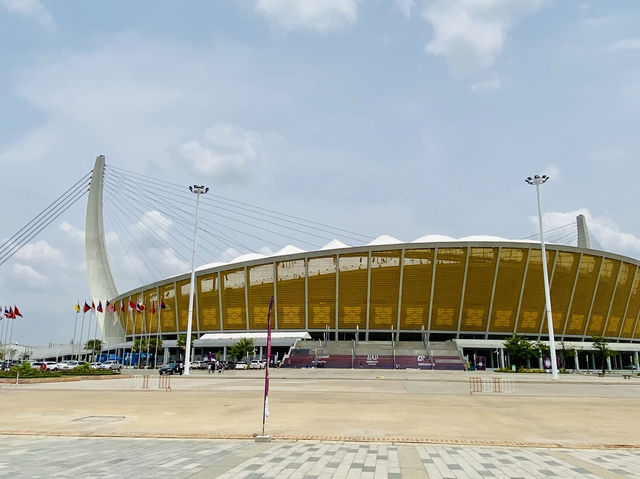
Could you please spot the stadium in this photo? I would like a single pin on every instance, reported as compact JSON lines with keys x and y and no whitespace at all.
{"x":435,"y":302}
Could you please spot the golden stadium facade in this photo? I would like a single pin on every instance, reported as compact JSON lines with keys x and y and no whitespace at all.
{"x":446,"y":290}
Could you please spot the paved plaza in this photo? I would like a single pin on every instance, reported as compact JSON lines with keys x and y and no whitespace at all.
{"x":325,"y":424}
{"x":106,"y":458}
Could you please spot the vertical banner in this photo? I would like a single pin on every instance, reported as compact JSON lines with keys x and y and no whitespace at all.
{"x":265,"y":411}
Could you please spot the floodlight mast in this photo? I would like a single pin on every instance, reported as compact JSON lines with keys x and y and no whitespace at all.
{"x":537,"y":180}
{"x":197,"y":190}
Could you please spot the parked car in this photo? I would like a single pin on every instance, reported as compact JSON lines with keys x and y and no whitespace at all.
{"x":68,"y":365}
{"x":241,"y":365}
{"x":172,"y":368}
{"x":95,"y":365}
{"x":256,"y":364}
{"x":112,"y":364}
{"x":9,"y":363}
{"x":196,"y":365}
{"x":51,"y":366}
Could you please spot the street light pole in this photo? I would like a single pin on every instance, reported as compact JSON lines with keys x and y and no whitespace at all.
{"x":537,"y":180}
{"x":197,"y":190}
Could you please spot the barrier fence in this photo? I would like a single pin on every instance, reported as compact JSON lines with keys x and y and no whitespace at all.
{"x":490,"y":385}
{"x":146,"y":381}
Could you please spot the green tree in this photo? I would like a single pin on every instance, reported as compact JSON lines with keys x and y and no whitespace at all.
{"x":139,"y":345}
{"x":155,"y":348}
{"x":242,"y":348}
{"x":601,"y":349}
{"x":520,"y":349}
{"x":93,"y":345}
{"x":541,"y":350}
{"x":181,"y":343}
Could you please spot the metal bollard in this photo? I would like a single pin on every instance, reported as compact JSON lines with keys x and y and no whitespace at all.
{"x":164,"y":382}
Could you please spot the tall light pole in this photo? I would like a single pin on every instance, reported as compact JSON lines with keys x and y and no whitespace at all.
{"x":537,"y":180}
{"x":197,"y":190}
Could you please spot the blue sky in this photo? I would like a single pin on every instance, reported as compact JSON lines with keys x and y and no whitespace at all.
{"x":387,"y":117}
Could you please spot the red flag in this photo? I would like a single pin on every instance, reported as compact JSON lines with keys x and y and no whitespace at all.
{"x":141,"y":307}
{"x":16,"y":312}
{"x":93,"y":306}
{"x":266,"y":368}
{"x":99,"y":306}
{"x":132,"y":305}
{"x":153,"y":307}
{"x":86,"y":307}
{"x":162,"y":305}
{"x":122,"y":306}
{"x":12,"y":315}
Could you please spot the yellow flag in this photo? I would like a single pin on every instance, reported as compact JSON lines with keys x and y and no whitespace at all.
{"x":77,"y":308}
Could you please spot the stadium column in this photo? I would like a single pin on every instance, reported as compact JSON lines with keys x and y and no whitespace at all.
{"x":573,"y":291}
{"x":220,"y":300}
{"x":306,"y":294}
{"x":626,"y":308}
{"x":464,"y":286}
{"x":337,"y":295}
{"x":493,"y":294}
{"x":246,"y":297}
{"x":400,"y":281}
{"x":275,"y":299}
{"x":433,"y":283}
{"x":613,"y":295}
{"x":593,"y":300}
{"x":524,"y":279}
{"x":366,"y":334}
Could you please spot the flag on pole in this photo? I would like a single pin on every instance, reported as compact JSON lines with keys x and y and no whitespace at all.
{"x":77,"y":308}
{"x":138,"y":308}
{"x":162,"y":305}
{"x":153,"y":307}
{"x":7,"y":313}
{"x":86,"y":307}
{"x":132,"y":305}
{"x":16,"y":312}
{"x":122,"y":307}
{"x":266,"y":368}
{"x":12,"y":315}
{"x":99,"y":308}
{"x":93,"y":306}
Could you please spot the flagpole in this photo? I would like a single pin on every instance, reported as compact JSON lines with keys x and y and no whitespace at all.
{"x":75,"y":326}
{"x":155,"y":355}
{"x":266,"y":368}
{"x":3,"y":333}
{"x":95,"y":333}
{"x":81,"y":331}
{"x":11,"y":337}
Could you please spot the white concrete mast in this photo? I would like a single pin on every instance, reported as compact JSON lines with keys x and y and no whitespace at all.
{"x":101,"y":282}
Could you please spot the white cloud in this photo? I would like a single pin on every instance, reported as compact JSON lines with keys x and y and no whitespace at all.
{"x":626,"y":44}
{"x":601,"y":229}
{"x":227,"y":154}
{"x":318,"y":15}
{"x":29,"y":276}
{"x":72,"y":231}
{"x":38,"y":252}
{"x":33,"y":9}
{"x":486,"y":85}
{"x":406,"y":6}
{"x":470,"y":34}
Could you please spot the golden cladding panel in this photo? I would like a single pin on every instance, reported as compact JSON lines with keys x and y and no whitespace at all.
{"x":623,"y":288}
{"x":448,"y":288}
{"x":564,"y":276}
{"x":233,"y":301}
{"x":533,"y":301}
{"x":126,"y":318}
{"x":183,"y":288}
{"x":507,"y":294}
{"x":583,"y":294}
{"x":477,"y":296}
{"x":606,"y":283}
{"x":259,"y":293}
{"x":322,"y":292}
{"x":352,"y":300}
{"x":633,"y":308}
{"x":290,"y":286}
{"x":208,"y":302}
{"x":168,"y":314}
{"x":385,"y":280}
{"x":416,"y":288}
